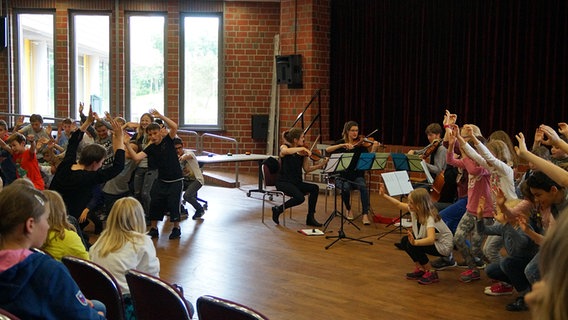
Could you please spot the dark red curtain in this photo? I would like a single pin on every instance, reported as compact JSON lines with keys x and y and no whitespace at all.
{"x":396,"y":65}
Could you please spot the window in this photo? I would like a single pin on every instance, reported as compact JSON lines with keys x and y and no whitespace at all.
{"x":36,"y":86}
{"x":146,"y":66}
{"x":201,"y":106}
{"x":90,"y":51}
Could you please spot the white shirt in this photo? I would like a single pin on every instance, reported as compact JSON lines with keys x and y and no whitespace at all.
{"x":444,"y":238}
{"x":140,"y":256}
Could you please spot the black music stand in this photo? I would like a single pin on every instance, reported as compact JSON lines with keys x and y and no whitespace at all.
{"x":337,"y":162}
{"x":364,"y":163}
{"x":397,"y":184}
{"x":379,"y":162}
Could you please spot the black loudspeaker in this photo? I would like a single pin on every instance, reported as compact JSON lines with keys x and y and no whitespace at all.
{"x":3,"y":32}
{"x":289,"y":70}
{"x":259,"y":126}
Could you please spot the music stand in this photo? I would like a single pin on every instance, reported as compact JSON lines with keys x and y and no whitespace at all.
{"x":410,"y":162}
{"x":397,"y":184}
{"x":364,"y":163}
{"x":337,"y":163}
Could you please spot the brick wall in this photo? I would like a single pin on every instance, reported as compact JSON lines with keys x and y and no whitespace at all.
{"x":250,"y":28}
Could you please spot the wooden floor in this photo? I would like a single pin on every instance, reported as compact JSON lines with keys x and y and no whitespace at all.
{"x":286,"y":275}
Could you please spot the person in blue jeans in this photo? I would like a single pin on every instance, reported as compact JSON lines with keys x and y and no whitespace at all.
{"x":520,"y":251}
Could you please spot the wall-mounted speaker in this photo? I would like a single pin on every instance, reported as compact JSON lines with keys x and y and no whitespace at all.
{"x":289,"y":70}
{"x":3,"y":32}
{"x":259,"y":126}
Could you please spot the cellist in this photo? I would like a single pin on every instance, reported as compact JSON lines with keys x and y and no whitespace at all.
{"x":434,"y":153}
{"x":350,"y":179}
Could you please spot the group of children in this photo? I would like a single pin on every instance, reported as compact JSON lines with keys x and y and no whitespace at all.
{"x":58,"y":164}
{"x":494,"y":217}
{"x":34,"y":217}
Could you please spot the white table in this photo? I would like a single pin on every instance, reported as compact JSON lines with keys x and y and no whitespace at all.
{"x":223,"y":158}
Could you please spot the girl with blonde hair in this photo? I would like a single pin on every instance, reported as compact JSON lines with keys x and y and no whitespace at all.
{"x":62,"y":238}
{"x":429,"y":234}
{"x":124,"y":245}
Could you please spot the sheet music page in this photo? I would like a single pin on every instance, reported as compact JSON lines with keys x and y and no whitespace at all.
{"x":427,"y":172}
{"x":332,"y":162}
{"x":397,"y":182}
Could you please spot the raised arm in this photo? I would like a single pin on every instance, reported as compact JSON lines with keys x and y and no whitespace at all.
{"x":133,"y":155}
{"x":556,"y":173}
{"x":171,"y":124}
{"x":399,"y":204}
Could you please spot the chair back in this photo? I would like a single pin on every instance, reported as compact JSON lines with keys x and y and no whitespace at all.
{"x":214,"y":308}
{"x":97,"y":283}
{"x":154,"y":298}
{"x":5,"y":315}
{"x":270,"y":170}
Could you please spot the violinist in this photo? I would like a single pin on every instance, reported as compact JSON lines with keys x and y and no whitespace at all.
{"x":435,"y":152}
{"x":294,"y":157}
{"x":350,"y":179}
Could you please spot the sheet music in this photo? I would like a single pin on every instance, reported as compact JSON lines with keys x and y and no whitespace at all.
{"x":427,"y":172}
{"x":332,"y":163}
{"x":397,"y":182}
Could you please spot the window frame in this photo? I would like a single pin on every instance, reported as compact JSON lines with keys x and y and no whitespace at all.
{"x":16,"y":57}
{"x":127,"y":53}
{"x":74,"y":107}
{"x":221,"y":79}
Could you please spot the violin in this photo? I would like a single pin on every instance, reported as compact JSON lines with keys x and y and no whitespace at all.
{"x":365,"y":141}
{"x":431,"y":148}
{"x":316,"y":153}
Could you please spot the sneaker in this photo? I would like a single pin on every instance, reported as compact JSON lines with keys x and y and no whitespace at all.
{"x":198,"y":214}
{"x":366,"y":220}
{"x":443,"y":263}
{"x":469,"y":275}
{"x":518,"y":305}
{"x":183,"y":214}
{"x":176,"y":233}
{"x":499,"y":289}
{"x":153,"y":233}
{"x":415,"y":275}
{"x":429,"y":277}
{"x":349,"y":216}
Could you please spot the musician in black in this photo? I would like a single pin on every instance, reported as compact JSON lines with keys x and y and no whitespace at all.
{"x":350,"y":179}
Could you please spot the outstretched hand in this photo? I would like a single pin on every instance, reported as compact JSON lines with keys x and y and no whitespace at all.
{"x":551,"y":138}
{"x":155,"y":113}
{"x":521,"y":150}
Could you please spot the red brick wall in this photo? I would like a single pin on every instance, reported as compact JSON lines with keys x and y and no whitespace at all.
{"x":304,"y":29}
{"x":249,"y":27}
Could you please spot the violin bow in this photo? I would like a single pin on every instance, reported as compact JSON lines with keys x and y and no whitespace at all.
{"x":314,"y":144}
{"x":372,"y":133}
